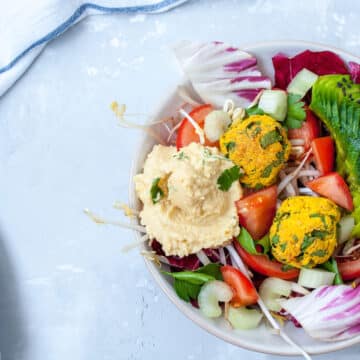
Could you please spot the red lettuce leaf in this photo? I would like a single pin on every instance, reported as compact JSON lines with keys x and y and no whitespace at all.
{"x":190,"y":262}
{"x":319,"y":62}
{"x":354,"y":72}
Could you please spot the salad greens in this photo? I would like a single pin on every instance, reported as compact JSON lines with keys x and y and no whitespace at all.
{"x":227,"y":177}
{"x":296,"y":113}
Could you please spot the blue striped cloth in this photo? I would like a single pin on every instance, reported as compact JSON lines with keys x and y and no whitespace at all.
{"x":26,"y":27}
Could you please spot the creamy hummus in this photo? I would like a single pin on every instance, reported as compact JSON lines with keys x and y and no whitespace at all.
{"x":193,"y":213}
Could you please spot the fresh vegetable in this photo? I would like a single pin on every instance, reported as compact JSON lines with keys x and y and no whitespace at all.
{"x":274,"y":103}
{"x":309,"y":130}
{"x":335,"y":100}
{"x":219,"y":72}
{"x":324,"y":152}
{"x":227,"y":177}
{"x":349,"y":269}
{"x":314,"y":278}
{"x":156,"y":192}
{"x":346,"y":226}
{"x":333,"y":187}
{"x":186,"y":133}
{"x":244,"y":292}
{"x":318,"y":62}
{"x":296,"y":113}
{"x":187,"y":284}
{"x":211,"y":294}
{"x":256,"y":211}
{"x":263,"y":265}
{"x":354,"y":72}
{"x":215,"y":125}
{"x":243,"y":318}
{"x":303,"y":233}
{"x":302,"y":83}
{"x":272,"y":289}
{"x":328,"y":313}
{"x":259,"y":247}
{"x":331,"y":265}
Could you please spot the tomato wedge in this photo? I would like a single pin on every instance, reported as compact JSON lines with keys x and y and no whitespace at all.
{"x":350,"y":269}
{"x":256,"y":211}
{"x":186,"y":133}
{"x":263,"y":265}
{"x":333,"y":187}
{"x":324,"y":152}
{"x":244,"y":291}
{"x":309,"y":130}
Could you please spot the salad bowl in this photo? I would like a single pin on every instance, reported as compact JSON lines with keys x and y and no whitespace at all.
{"x":249,"y":339}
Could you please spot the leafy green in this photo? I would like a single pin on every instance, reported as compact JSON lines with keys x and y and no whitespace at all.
{"x":187,"y":284}
{"x":295,"y":113}
{"x":227,"y":177}
{"x":155,"y":192}
{"x":270,"y":138}
{"x":320,"y":253}
{"x":230,"y":146}
{"x":331,"y":265}
{"x":249,"y":244}
{"x":336,"y":101}
{"x":254,"y":110}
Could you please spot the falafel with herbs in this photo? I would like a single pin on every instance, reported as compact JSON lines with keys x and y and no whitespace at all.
{"x":259,"y":145}
{"x":303,"y":233}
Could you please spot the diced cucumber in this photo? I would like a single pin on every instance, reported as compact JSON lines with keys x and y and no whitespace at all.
{"x":272,"y":289}
{"x":274,"y":103}
{"x":314,"y":278}
{"x":346,"y":226}
{"x":244,"y":319}
{"x":302,"y":82}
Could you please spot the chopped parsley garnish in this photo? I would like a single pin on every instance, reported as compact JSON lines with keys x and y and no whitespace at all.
{"x":267,"y":171}
{"x":320,"y":253}
{"x":270,"y":138}
{"x":230,"y":146}
{"x":156,"y":192}
{"x":275,"y":239}
{"x":296,"y":113}
{"x":180,"y":156}
{"x":320,"y":216}
{"x":227,"y":177}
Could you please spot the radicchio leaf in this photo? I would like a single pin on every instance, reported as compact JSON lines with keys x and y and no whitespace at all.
{"x":219,"y":72}
{"x":319,"y":62}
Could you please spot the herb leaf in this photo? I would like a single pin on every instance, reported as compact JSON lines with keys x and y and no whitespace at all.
{"x":187,"y":284}
{"x":227,"y":177}
{"x":230,"y":146}
{"x":247,"y":242}
{"x":296,"y":113}
{"x":254,"y":110}
{"x":331,"y":265}
{"x":186,"y":290}
{"x":155,"y":191}
{"x":270,"y":138}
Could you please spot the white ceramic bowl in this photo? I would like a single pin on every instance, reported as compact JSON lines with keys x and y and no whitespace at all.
{"x":260,"y":339}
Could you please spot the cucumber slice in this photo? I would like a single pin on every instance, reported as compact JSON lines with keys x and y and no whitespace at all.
{"x":274,"y":103}
{"x":243,"y":318}
{"x":302,"y":82}
{"x":314,"y":278}
{"x":346,"y":226}
{"x":272,"y":289}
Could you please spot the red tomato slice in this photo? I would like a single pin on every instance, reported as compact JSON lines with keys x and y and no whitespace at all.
{"x":324,"y":152}
{"x":256,"y":211}
{"x":263,"y":265}
{"x":349,"y":269}
{"x":244,"y":291}
{"x":333,"y":187}
{"x":186,"y":133}
{"x":309,"y":130}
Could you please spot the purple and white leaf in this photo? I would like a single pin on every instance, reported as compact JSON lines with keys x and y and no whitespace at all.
{"x":219,"y":72}
{"x":329,"y":313}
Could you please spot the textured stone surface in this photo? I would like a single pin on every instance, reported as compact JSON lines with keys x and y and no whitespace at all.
{"x":66,"y":291}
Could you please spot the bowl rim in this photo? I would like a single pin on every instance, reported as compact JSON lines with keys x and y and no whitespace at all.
{"x":183,"y":307}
